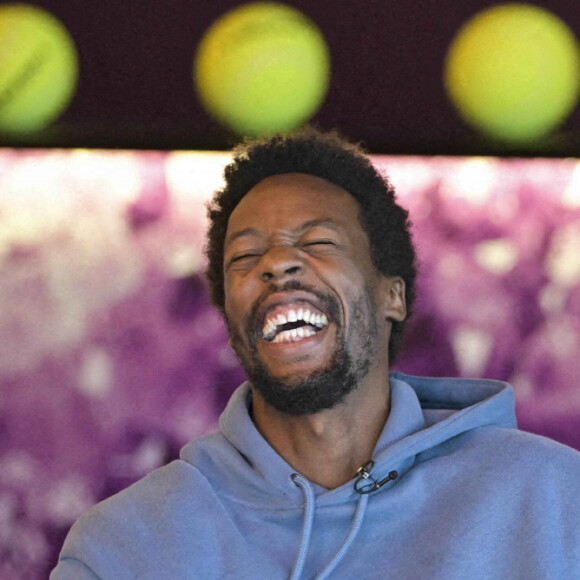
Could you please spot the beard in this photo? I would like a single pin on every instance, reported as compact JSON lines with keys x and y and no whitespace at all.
{"x":324,"y":388}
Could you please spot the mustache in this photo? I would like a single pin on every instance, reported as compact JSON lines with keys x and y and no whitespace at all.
{"x":330,"y":302}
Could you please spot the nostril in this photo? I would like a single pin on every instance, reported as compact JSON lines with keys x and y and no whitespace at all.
{"x":279,"y":263}
{"x":268,"y":275}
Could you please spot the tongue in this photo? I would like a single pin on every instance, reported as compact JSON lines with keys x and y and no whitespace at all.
{"x":291,"y":325}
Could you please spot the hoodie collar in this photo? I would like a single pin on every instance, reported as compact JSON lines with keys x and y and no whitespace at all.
{"x":238,"y":428}
{"x":448,"y":407}
{"x":424,"y":412}
{"x":405,"y":418}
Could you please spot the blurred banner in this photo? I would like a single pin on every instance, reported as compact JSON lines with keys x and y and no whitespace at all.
{"x":111,"y":358}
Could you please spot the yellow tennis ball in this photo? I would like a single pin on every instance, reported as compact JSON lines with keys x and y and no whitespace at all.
{"x":262,"y":67}
{"x":513,"y":72}
{"x":38,"y":68}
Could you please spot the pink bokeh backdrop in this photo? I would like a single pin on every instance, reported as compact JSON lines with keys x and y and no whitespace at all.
{"x":111,"y":358}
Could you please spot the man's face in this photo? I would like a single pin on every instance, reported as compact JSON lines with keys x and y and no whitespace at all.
{"x":302,"y":293}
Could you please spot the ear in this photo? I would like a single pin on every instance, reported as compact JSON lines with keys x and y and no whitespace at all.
{"x":393,"y":298}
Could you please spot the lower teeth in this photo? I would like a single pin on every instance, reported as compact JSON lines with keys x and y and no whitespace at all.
{"x":294,"y":335}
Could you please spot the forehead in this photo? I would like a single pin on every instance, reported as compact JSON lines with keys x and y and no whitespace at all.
{"x":281,"y":200}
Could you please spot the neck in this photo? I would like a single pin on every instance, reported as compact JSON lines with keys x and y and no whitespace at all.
{"x":328,"y":447}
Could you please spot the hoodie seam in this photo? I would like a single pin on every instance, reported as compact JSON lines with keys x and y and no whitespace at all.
{"x":438,"y":428}
{"x":427,"y":434}
{"x":245,"y":503}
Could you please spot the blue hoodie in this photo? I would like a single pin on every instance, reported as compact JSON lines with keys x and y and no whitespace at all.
{"x":455,"y":492}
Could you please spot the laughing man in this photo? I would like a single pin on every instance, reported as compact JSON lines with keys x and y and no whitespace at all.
{"x":327,"y":465}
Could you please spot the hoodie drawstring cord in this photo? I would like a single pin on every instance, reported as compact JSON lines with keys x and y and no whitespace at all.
{"x":309,"y":500}
{"x":304,"y":486}
{"x":356,"y":525}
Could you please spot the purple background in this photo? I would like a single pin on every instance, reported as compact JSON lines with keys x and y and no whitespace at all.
{"x":111,"y":358}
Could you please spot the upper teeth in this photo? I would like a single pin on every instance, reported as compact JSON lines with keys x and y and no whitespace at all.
{"x":318,"y":320}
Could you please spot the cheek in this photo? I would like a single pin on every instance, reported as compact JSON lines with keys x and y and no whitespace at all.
{"x":349,"y":280}
{"x":231,"y":306}
{"x":359,"y":290}
{"x":239,"y":298}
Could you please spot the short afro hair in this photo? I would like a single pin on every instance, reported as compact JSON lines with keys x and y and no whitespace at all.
{"x":329,"y":156}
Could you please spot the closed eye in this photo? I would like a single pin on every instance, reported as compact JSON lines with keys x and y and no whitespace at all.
{"x":243,"y":261}
{"x":243,"y":257}
{"x":320,"y":243}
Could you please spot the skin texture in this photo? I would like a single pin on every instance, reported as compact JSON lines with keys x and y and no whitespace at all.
{"x":294,"y":241}
{"x":307,"y":393}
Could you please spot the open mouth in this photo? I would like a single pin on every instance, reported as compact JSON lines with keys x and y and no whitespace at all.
{"x":292,"y":324}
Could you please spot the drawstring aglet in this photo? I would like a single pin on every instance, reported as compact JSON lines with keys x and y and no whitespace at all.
{"x":364,"y":472}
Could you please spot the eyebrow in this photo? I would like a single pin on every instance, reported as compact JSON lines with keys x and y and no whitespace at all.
{"x":301,"y":229}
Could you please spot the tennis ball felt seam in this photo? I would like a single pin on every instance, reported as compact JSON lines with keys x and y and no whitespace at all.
{"x":40,"y":68}
{"x":21,"y":79}
{"x":262,"y":67}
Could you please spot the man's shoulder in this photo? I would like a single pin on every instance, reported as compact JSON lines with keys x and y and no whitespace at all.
{"x":498,"y":438}
{"x":148,"y":496}
{"x":124,"y":531}
{"x":519,"y":454}
{"x":167,"y":484}
{"x":183,"y":477}
{"x":507,"y":448}
{"x":149,"y":507}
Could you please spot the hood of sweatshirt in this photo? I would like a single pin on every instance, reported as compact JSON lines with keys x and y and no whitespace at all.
{"x":425,"y":413}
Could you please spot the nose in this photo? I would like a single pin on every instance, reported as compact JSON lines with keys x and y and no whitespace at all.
{"x":280,"y":262}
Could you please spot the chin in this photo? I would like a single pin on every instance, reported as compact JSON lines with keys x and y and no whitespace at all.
{"x":298,"y":375}
{"x":307,"y":393}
